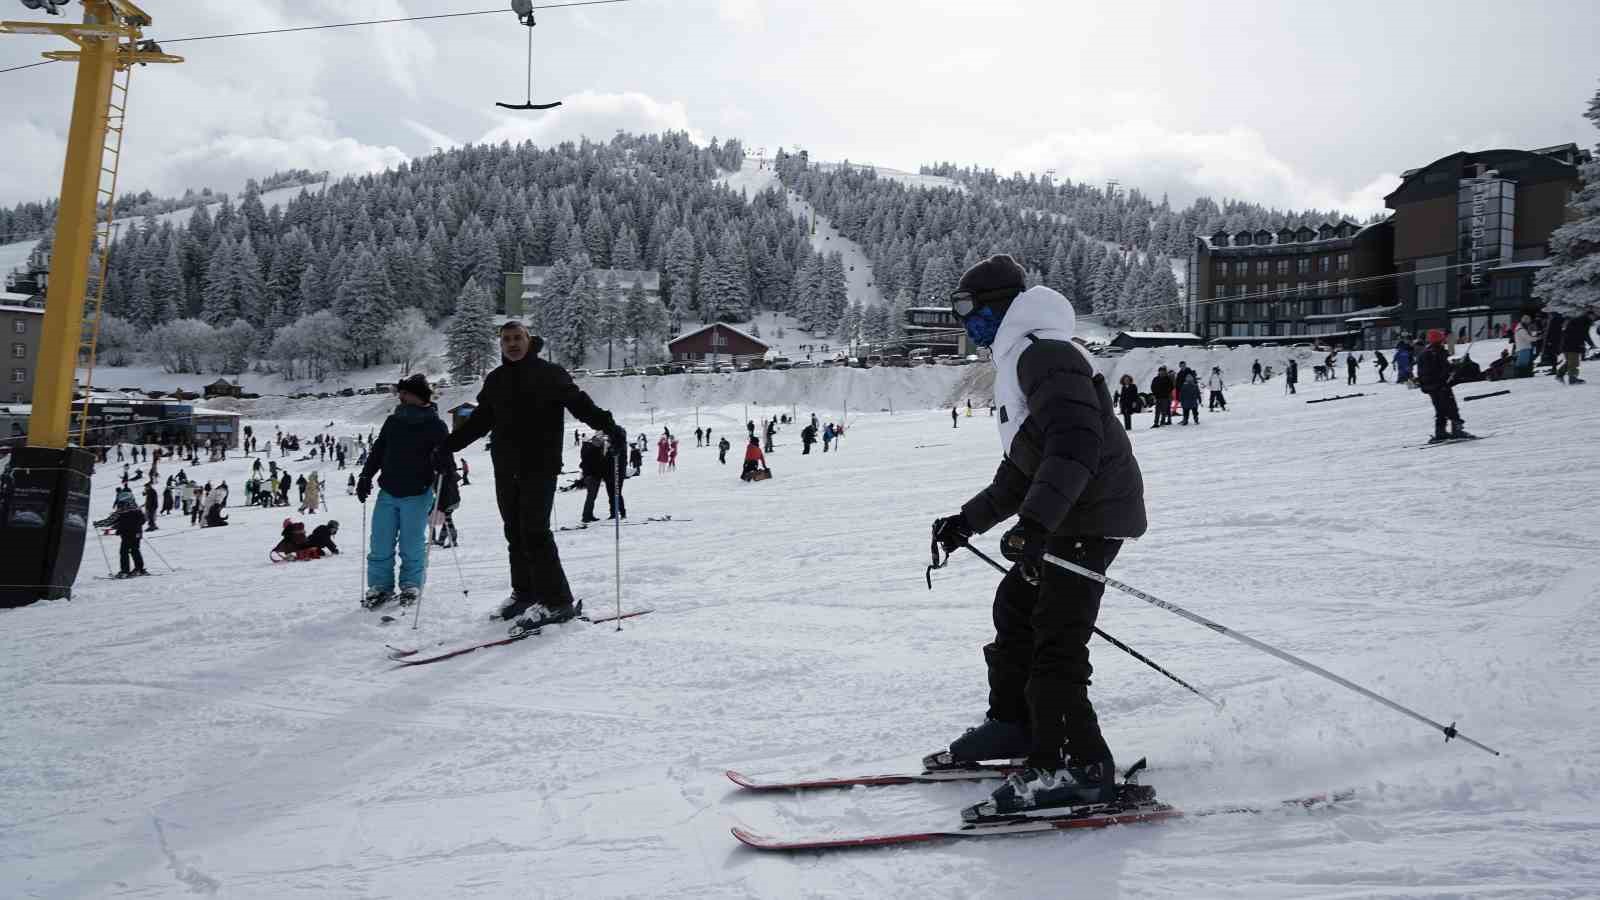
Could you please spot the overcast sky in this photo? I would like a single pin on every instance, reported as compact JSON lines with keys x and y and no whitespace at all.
{"x":1283,"y":103}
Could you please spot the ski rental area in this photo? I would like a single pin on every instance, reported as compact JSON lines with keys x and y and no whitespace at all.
{"x":235,"y":727}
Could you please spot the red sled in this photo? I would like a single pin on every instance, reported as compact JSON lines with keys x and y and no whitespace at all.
{"x":303,"y":555}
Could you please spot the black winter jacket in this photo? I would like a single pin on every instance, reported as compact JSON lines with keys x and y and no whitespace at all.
{"x":1575,"y":334}
{"x":524,"y":404}
{"x":322,"y":536}
{"x":1070,"y":467}
{"x":129,"y":522}
{"x":405,"y":451}
{"x":592,"y":460}
{"x":1433,"y":368}
{"x":1161,"y":386}
{"x":1128,"y":398}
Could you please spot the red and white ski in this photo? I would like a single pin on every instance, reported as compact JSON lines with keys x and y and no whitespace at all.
{"x":967,"y":773}
{"x":1085,"y":817}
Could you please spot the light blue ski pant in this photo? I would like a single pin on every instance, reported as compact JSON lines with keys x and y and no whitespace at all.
{"x":402,"y":519}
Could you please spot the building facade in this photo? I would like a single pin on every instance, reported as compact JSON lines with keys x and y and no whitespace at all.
{"x":1471,"y":230}
{"x":1459,"y":252}
{"x":21,"y":321}
{"x":715,"y":343}
{"x":935,"y":329}
{"x":1292,"y":285}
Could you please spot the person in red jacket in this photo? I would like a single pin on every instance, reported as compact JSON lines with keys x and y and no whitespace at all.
{"x":754,"y":459}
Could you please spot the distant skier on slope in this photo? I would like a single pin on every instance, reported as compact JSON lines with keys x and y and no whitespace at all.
{"x":1069,"y":475}
{"x":1433,"y":374}
{"x":523,"y":403}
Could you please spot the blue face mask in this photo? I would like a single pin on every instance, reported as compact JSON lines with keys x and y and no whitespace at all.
{"x":982,"y":326}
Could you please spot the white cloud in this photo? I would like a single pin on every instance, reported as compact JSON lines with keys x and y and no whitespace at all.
{"x":220,"y":160}
{"x":1233,"y":164}
{"x":596,"y":116}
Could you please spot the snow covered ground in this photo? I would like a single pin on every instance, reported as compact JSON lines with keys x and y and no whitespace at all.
{"x":233,"y":728}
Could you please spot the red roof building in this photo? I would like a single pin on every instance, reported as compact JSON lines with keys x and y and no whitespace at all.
{"x":713,"y":342}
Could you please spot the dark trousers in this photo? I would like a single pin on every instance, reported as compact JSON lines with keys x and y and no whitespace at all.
{"x":130,"y":550}
{"x":1039,"y":661}
{"x":1163,"y":409}
{"x":150,"y":517}
{"x":805,"y":448}
{"x":1445,"y":410}
{"x":1191,"y":408}
{"x":591,"y":484}
{"x":1218,"y":401}
{"x":1352,"y":378}
{"x":525,"y":499}
{"x":614,"y":499}
{"x":1127,"y":420}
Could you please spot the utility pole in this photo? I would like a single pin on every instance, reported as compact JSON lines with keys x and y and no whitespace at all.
{"x":47,"y":501}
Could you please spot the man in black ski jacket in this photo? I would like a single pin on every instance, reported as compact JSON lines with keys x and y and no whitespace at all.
{"x":322,"y":537}
{"x":1161,"y":389}
{"x":129,"y":523}
{"x":1575,"y":340}
{"x":592,"y":465}
{"x":523,"y":404}
{"x":1433,"y":376}
{"x":1069,"y":476}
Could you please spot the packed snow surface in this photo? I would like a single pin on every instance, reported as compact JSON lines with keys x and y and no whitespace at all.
{"x":234,"y":728}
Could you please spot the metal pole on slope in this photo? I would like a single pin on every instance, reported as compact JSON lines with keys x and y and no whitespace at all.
{"x":1449,"y":731}
{"x":1114,"y":642}
{"x":616,"y":528}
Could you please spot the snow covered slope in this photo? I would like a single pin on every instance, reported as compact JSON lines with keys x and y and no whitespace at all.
{"x":754,"y":178}
{"x":233,"y":728}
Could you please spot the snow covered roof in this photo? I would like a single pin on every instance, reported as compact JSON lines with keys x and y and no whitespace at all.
{"x":1161,"y":335}
{"x":649,"y":279}
{"x":740,"y":332}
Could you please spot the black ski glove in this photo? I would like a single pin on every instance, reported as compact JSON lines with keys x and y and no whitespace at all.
{"x":1024,"y":545}
{"x":618,"y":438}
{"x":363,"y":487}
{"x":952,"y":532}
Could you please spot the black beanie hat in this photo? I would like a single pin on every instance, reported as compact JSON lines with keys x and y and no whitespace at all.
{"x":417,"y":386}
{"x":997,"y":273}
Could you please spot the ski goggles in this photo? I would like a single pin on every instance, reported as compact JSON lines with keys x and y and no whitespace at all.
{"x":965,"y":303}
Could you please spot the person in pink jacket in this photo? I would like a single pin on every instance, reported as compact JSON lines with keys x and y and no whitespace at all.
{"x":672,"y":455}
{"x":661,"y":455}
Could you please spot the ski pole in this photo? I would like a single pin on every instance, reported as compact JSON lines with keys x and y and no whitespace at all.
{"x":1116,"y":643}
{"x":616,"y":531}
{"x":364,"y":554}
{"x":163,"y":559}
{"x":1449,"y":731}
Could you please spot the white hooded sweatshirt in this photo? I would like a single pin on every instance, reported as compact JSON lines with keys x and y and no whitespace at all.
{"x":1045,"y":314}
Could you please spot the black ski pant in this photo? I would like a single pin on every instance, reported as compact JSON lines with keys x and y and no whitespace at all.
{"x":1191,"y":408}
{"x":1127,"y":420}
{"x":1039,"y":661}
{"x":525,"y":499}
{"x":591,"y":484}
{"x":1445,"y":409}
{"x":130,"y":550}
{"x":619,"y":506}
{"x":1218,"y":401}
{"x":1352,"y":378}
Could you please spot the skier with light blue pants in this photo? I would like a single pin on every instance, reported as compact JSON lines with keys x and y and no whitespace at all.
{"x":409,"y":455}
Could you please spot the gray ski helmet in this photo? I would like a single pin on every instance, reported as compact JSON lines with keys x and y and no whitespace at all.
{"x":333,"y":524}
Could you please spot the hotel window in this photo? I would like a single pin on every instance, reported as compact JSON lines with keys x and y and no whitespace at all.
{"x":20,"y":326}
{"x":1221,"y":270}
{"x":1430,"y":296}
{"x":1323,"y":263}
{"x":1344,"y":285}
{"x":1241,"y":269}
{"x":1322,"y":287}
{"x":1261,"y":267}
{"x":1283,"y":267}
{"x":1344,"y":262}
{"x":18,"y":376}
{"x":1283,"y":288}
{"x":19,"y":351}
{"x":1303,"y":265}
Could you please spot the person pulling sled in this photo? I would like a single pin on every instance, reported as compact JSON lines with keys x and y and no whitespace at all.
{"x":1068,"y":473}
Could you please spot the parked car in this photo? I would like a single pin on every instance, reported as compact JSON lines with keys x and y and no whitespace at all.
{"x":676,"y":368}
{"x":655,"y":370}
{"x":803,"y":364}
{"x":629,"y":370}
{"x":781,"y":362}
{"x":579,"y":373}
{"x":701,"y":369}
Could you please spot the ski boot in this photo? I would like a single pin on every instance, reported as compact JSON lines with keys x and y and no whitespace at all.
{"x":1039,"y":792}
{"x":540,"y":615}
{"x":513,"y":607}
{"x":993,"y":739}
{"x":375,"y":598}
{"x":1457,"y":433}
{"x":408,"y":595}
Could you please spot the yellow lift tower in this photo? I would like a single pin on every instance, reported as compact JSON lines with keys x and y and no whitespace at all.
{"x":44,"y":506}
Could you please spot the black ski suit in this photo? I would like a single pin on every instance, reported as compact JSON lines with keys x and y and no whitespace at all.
{"x":1433,"y":375}
{"x":1071,"y":471}
{"x":130,"y":528}
{"x":1161,"y":388}
{"x":523,"y":405}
